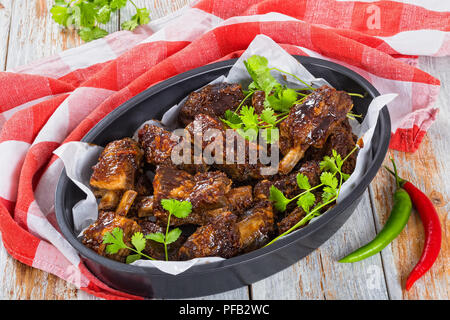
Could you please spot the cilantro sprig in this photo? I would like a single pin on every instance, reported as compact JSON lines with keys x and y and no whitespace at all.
{"x":87,"y":16}
{"x":180,"y":209}
{"x":331,"y":180}
{"x":115,"y":242}
{"x":278,"y":101}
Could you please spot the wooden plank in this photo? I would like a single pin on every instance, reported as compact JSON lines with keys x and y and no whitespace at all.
{"x":320,"y":276}
{"x":35,"y":35}
{"x":5,"y":22}
{"x":157,"y":8}
{"x":428,"y":169}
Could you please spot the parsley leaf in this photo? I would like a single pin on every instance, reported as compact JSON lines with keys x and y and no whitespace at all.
{"x":279,"y":200}
{"x":173,"y":235}
{"x":328,"y":179}
{"x":129,"y":25}
{"x":303,"y":182}
{"x":257,"y":67}
{"x":60,"y":14}
{"x":88,"y":34}
{"x":180,"y":209}
{"x":132,"y":258}
{"x":115,"y":241}
{"x":267,"y":115}
{"x":138,"y":241}
{"x":87,"y":15}
{"x":157,"y":236}
{"x":282,"y":100}
{"x":306,"y":201}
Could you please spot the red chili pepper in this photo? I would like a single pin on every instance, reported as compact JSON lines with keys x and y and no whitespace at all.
{"x":432,"y":226}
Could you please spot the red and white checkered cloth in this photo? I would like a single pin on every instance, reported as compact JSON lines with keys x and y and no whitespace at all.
{"x":59,"y":99}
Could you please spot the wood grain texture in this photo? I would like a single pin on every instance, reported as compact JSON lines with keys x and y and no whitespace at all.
{"x":34,"y":35}
{"x":5,"y":22}
{"x":428,"y":169}
{"x":27,"y":33}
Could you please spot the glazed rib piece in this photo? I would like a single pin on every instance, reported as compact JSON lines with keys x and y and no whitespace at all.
{"x":206,"y":192}
{"x":117,"y":166}
{"x":157,"y":144}
{"x":256,"y":227}
{"x":233,"y":157}
{"x":212,"y":100}
{"x":223,"y":236}
{"x":240,"y":199}
{"x":343,"y":141}
{"x":106,"y":222}
{"x":258,"y":99}
{"x":290,"y":220}
{"x":144,"y":206}
{"x":288,"y":184}
{"x":126,"y":202}
{"x":219,"y":237}
{"x":155,"y":249}
{"x":310,"y":124}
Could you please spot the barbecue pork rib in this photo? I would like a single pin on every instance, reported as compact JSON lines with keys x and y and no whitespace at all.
{"x":117,"y":166}
{"x":343,"y":140}
{"x":220,"y":238}
{"x":224,"y":236}
{"x":106,"y":222}
{"x":205,"y":191}
{"x":229,"y":158}
{"x":213,"y":100}
{"x":310,"y":124}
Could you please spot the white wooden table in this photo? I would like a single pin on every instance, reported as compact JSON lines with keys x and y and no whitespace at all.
{"x":27,"y":33}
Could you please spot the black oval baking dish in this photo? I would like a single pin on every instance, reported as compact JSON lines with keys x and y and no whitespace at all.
{"x":242,"y":270}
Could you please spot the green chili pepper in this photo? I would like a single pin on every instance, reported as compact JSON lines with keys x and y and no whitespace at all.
{"x":394,"y":225}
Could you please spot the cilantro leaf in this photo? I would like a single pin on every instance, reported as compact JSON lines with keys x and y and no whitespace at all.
{"x":279,"y":200}
{"x":249,"y":117}
{"x":104,"y":14}
{"x":173,"y":235}
{"x":303,"y":182}
{"x":270,"y":135}
{"x":306,"y":201}
{"x":157,"y":236}
{"x":114,"y":239}
{"x":267,"y":115}
{"x":87,"y":15}
{"x":60,"y":14}
{"x":257,"y":67}
{"x":249,"y":133}
{"x":180,"y":209}
{"x":129,"y":25}
{"x":328,"y":164}
{"x":328,"y":179}
{"x":232,"y":120}
{"x":282,"y":100}
{"x":138,"y":241}
{"x":89,"y":34}
{"x":117,"y":4}
{"x":132,"y":258}
{"x":142,"y":16}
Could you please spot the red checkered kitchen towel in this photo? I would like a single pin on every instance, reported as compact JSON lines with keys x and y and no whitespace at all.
{"x":59,"y":99}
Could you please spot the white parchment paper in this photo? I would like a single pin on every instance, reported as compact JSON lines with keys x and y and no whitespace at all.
{"x":79,"y":157}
